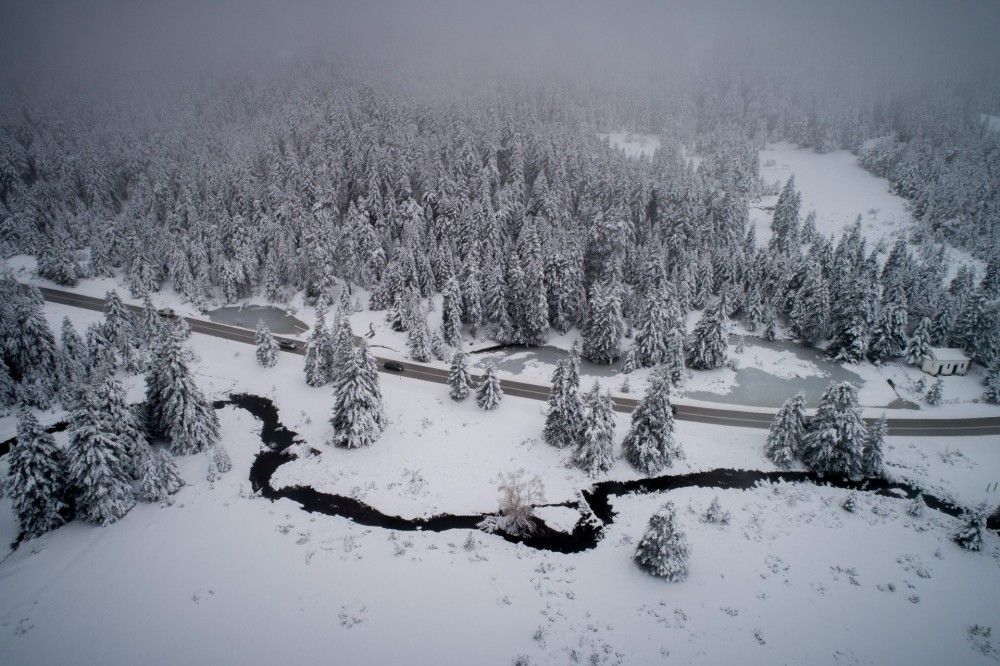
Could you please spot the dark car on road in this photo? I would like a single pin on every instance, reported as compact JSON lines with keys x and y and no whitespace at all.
{"x":288,"y":345}
{"x":395,"y":366}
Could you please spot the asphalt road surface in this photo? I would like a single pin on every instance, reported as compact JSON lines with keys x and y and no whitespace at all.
{"x":731,"y":416}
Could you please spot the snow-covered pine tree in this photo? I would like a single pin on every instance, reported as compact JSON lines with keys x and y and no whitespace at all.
{"x":652,"y":335}
{"x":810,"y":314}
{"x":674,"y":363}
{"x":663,"y":549}
{"x":935,"y":393}
{"x":30,"y":349}
{"x":150,"y":323}
{"x":649,"y":445}
{"x":72,"y":372}
{"x":98,"y":465}
{"x":970,"y":537}
{"x":785,"y":221}
{"x":451,"y":313}
{"x":317,"y":358}
{"x":155,"y":473}
{"x":919,"y":345}
{"x":396,"y":315}
{"x":267,"y":346}
{"x":889,"y":336}
{"x":835,"y":438}
{"x":564,"y":415}
{"x":770,"y":323}
{"x":221,"y":462}
{"x":594,"y":454}
{"x":604,"y":326}
{"x":8,"y":388}
{"x":101,"y":359}
{"x":715,"y":514}
{"x":119,"y":329}
{"x":176,"y":408}
{"x":418,"y":338}
{"x":786,"y":437}
{"x":489,"y":394}
{"x":992,"y":381}
{"x":358,"y":418}
{"x":36,"y":477}
{"x":707,"y":346}
{"x":629,"y":362}
{"x":873,"y":457}
{"x":458,"y":377}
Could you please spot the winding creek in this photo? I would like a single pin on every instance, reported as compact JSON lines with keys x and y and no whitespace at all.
{"x":594,"y":504}
{"x":594,"y":507}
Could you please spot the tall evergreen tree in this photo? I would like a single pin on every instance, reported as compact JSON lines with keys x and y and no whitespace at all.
{"x":176,"y":407}
{"x":267,"y":346}
{"x":663,"y":549}
{"x":889,"y":337}
{"x":451,"y":313}
{"x":786,"y":437}
{"x":992,"y":381}
{"x":836,"y":435}
{"x":649,"y":445}
{"x":155,"y":474}
{"x":810,"y":315}
{"x":418,"y":339}
{"x":317,"y":346}
{"x":99,"y":466}
{"x":873,"y":457}
{"x":36,"y":478}
{"x":652,"y":336}
{"x":564,"y":416}
{"x":458,"y":377}
{"x":604,"y":326}
{"x":708,"y":346}
{"x":119,"y":329}
{"x":489,"y":394}
{"x":594,"y":454}
{"x":358,"y":417}
{"x":785,"y":221}
{"x":919,"y":345}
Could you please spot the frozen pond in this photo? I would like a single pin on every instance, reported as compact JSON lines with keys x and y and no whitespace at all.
{"x":768,"y":372}
{"x":247,"y":316}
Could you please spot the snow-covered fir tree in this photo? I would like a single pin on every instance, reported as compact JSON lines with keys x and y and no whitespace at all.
{"x":36,"y":478}
{"x":674,"y":366}
{"x":72,"y":357}
{"x":935,"y":393}
{"x":119,"y":330}
{"x":267,"y":346}
{"x":458,"y":377}
{"x":835,"y":439}
{"x":663,"y":549}
{"x":101,"y":358}
{"x":652,"y":336}
{"x":873,"y":456}
{"x":595,"y":451}
{"x":317,"y":357}
{"x":358,"y":417}
{"x":176,"y":408}
{"x":489,"y":394}
{"x":564,"y":416}
{"x":649,"y":445}
{"x":810,"y":315}
{"x":418,"y":338}
{"x":919,"y":345}
{"x":604,"y":326}
{"x":155,"y":474}
{"x":8,"y":388}
{"x":992,"y":381}
{"x":451,"y":313}
{"x":99,"y":466}
{"x":706,"y":349}
{"x":888,"y":340}
{"x":786,"y":436}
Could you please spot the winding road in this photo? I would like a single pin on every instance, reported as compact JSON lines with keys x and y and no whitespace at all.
{"x":731,"y":416}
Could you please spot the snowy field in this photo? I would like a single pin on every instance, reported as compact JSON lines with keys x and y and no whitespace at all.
{"x":632,"y":144}
{"x":223,"y":577}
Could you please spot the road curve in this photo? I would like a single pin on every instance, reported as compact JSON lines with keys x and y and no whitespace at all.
{"x":914,"y":427}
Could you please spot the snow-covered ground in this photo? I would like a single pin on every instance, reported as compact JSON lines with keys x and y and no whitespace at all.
{"x":222,"y":577}
{"x":631,"y":143}
{"x":839,"y":190}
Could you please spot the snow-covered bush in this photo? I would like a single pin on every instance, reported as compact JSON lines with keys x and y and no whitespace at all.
{"x":518,"y":494}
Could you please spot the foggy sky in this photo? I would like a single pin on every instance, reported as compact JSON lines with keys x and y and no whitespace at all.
{"x":922,"y":39}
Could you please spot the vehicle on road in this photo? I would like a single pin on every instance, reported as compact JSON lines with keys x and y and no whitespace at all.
{"x":167,"y":312}
{"x":288,"y":345}
{"x":395,"y":366}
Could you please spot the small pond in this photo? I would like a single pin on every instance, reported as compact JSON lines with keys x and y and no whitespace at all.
{"x":278,"y":320}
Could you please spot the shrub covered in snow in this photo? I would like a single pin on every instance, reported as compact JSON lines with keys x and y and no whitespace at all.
{"x":518,"y":494}
{"x":663,"y":549}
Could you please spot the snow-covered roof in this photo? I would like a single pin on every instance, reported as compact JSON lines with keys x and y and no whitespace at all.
{"x":948,"y":354}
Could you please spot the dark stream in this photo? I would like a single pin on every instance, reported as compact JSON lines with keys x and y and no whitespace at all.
{"x":595,"y":510}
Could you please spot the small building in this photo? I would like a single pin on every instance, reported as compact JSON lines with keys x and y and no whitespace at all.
{"x":945,"y":361}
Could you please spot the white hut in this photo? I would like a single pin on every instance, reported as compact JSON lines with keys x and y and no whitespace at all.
{"x":945,"y":361}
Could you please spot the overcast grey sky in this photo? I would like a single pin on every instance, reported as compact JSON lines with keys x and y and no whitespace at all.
{"x":924,"y":37}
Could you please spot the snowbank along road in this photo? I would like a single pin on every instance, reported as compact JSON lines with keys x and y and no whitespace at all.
{"x":898,"y":426}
